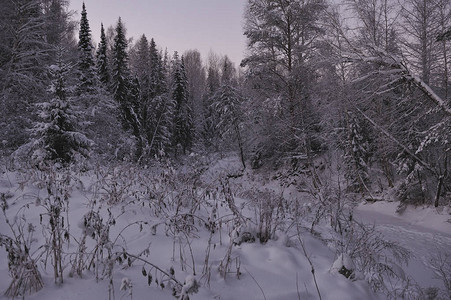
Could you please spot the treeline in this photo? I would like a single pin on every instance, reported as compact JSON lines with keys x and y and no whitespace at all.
{"x":367,"y":80}
{"x":63,"y":99}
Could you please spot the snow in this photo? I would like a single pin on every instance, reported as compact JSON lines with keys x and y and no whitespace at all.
{"x":425,"y":231}
{"x":190,"y":286}
{"x":421,"y":218}
{"x":343,"y":260}
{"x":277,"y":269}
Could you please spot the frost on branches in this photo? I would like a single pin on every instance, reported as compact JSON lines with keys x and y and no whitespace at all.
{"x":56,"y":137}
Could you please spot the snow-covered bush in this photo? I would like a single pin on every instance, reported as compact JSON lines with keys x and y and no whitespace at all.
{"x":190,"y":286}
{"x":366,"y":254}
{"x":117,"y":183}
{"x":26,"y":278}
{"x":102,"y":126}
{"x":54,"y":221}
{"x":362,"y":252}
{"x":269,"y":211}
{"x":441,"y":264}
{"x":57,"y":137}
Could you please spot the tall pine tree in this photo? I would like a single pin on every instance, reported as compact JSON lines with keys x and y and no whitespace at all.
{"x":356,"y":146}
{"x":161,"y":107}
{"x":157,"y":73}
{"x":183,"y":122}
{"x":142,"y":68}
{"x":86,"y":69}
{"x":125,"y":89}
{"x":102,"y":59}
{"x":211,"y":118}
{"x":120,"y":64}
{"x":121,"y":74}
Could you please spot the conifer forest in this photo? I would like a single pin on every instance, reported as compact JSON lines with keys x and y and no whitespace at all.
{"x":317,"y":167}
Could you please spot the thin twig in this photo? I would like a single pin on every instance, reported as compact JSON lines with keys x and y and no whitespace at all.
{"x":297,"y":286}
{"x":263,"y":293}
{"x":311,"y":264}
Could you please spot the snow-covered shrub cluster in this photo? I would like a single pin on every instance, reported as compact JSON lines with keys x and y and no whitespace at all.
{"x":22,"y":264}
{"x":125,"y":213}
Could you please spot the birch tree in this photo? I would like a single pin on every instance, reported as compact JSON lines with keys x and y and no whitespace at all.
{"x":282,"y":42}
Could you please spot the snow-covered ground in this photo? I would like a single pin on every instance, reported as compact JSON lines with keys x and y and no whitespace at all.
{"x":425,"y":231}
{"x":277,"y":269}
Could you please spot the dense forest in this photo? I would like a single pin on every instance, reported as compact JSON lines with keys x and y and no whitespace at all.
{"x":355,"y":89}
{"x":377,"y":91}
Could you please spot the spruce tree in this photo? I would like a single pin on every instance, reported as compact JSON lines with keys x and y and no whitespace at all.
{"x":195,"y":73}
{"x":228,"y":70}
{"x":56,"y":137}
{"x":160,"y":131}
{"x":357,"y":153}
{"x":161,"y":107}
{"x":157,"y":71}
{"x":142,"y":64}
{"x":86,"y":68}
{"x":183,"y":124}
{"x":125,"y":89}
{"x":210,"y":130}
{"x":121,"y":73}
{"x":142,"y":70}
{"x":102,"y":58}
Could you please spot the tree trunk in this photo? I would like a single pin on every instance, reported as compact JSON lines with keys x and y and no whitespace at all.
{"x":240,"y":145}
{"x":439,"y":189}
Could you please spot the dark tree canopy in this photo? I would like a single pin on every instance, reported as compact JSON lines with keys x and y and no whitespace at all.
{"x":86,"y":66}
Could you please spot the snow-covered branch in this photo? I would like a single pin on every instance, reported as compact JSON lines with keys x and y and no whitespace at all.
{"x":390,"y":65}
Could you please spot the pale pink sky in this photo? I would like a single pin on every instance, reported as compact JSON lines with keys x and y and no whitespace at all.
{"x":176,"y":24}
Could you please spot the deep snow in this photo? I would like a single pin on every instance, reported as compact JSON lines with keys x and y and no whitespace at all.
{"x":425,"y":231}
{"x":275,"y":270}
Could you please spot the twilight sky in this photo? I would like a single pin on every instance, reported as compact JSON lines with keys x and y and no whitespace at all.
{"x":178,"y":25}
